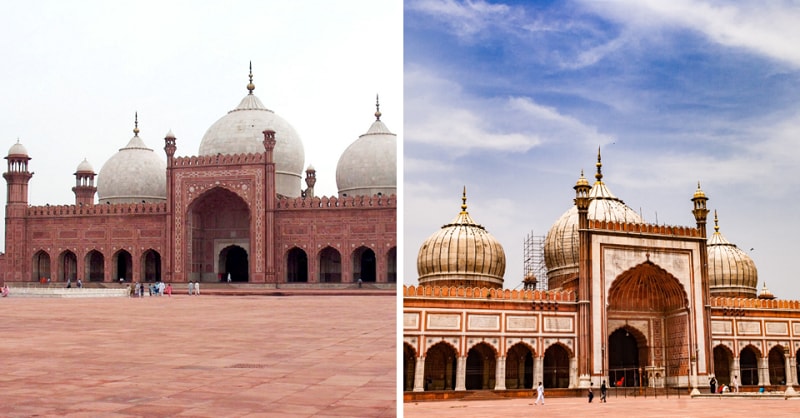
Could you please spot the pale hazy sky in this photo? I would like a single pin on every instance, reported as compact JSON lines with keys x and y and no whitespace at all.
{"x":74,"y":73}
{"x":512,"y":99}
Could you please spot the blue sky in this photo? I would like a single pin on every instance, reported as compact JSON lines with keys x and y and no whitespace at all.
{"x":513,"y":99}
{"x":74,"y":73}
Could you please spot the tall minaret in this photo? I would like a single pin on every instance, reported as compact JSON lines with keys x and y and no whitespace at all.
{"x":700,"y":212}
{"x":17,"y":178}
{"x":582,"y":201}
{"x":84,"y":184}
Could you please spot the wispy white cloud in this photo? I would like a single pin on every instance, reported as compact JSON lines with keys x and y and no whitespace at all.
{"x":439,"y":113}
{"x":769,"y":29}
{"x":464,"y":18}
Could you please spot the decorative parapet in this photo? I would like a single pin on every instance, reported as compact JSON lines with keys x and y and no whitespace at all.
{"x":753,"y":303}
{"x":677,"y":231}
{"x":373,"y":201}
{"x":219,"y":159}
{"x":98,"y":209}
{"x":484,"y":293}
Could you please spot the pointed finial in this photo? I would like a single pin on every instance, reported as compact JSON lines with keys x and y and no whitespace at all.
{"x":377,"y":108}
{"x":250,"y":85}
{"x":464,"y":200}
{"x":136,"y":124}
{"x":716,"y":221}
{"x":599,"y":175}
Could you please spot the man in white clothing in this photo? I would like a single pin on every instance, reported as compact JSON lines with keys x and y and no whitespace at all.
{"x":540,"y":392}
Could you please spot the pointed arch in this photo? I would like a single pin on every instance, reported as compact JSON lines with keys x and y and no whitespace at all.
{"x":41,"y":265}
{"x":409,"y":366}
{"x":481,"y":367}
{"x":748,"y":365}
{"x":67,"y":266}
{"x":519,"y":366}
{"x":364,"y":265}
{"x":723,"y":364}
{"x":330,"y":266}
{"x":441,"y":363}
{"x":94,"y":266}
{"x":150,"y":266}
{"x":556,"y":366}
{"x":296,"y":265}
{"x":122,"y":266}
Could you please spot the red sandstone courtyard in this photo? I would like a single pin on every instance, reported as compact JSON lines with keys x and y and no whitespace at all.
{"x":662,"y":407}
{"x":199,"y":356}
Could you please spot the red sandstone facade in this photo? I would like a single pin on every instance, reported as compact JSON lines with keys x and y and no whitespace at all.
{"x":222,"y":217}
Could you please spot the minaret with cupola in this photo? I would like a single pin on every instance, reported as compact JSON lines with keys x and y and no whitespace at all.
{"x":84,"y":184}
{"x":17,"y":178}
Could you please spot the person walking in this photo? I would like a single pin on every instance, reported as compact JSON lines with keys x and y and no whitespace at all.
{"x":169,"y":290}
{"x":736,"y":383}
{"x":591,"y":394}
{"x":712,"y":384}
{"x":540,"y":394}
{"x":191,"y":287}
{"x":603,"y":390}
{"x":197,"y":288}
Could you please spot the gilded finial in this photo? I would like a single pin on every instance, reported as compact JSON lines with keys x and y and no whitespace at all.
{"x":377,"y":108}
{"x":136,"y":124}
{"x":464,"y":200}
{"x":250,"y":85}
{"x":582,"y":180}
{"x":599,"y":175}
{"x":716,"y":221}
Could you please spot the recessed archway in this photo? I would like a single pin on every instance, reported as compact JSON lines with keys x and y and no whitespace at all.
{"x":41,"y":266}
{"x":330,"y":266}
{"x":235,"y":263}
{"x":777,"y":366}
{"x":723,"y":363}
{"x":409,"y":366}
{"x":519,"y":367}
{"x":440,"y":367}
{"x":555,"y":371}
{"x":480,"y":367}
{"x":748,"y":366}
{"x":656,"y":301}
{"x":364,"y":264}
{"x":67,"y":266}
{"x":122,"y":265}
{"x":151,"y":266}
{"x":95,"y":266}
{"x":296,"y":266}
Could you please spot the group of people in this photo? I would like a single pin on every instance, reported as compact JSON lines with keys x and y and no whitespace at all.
{"x":155,"y":289}
{"x":712,"y":385}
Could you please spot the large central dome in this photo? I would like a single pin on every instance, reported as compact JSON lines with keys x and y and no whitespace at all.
{"x":241,"y":132}
{"x":561,"y":243}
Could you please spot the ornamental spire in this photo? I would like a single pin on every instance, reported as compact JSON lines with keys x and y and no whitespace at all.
{"x":136,"y":124}
{"x":716,"y":222}
{"x":250,"y":85}
{"x":377,"y":108}
{"x":464,"y":200}
{"x":599,"y":175}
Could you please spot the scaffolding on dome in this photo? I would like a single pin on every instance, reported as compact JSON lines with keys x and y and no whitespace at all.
{"x":534,"y":269}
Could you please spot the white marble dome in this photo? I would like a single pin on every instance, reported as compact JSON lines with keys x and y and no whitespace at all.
{"x":241,"y":131}
{"x":132,"y":175}
{"x":369,"y":165}
{"x":561,"y":243}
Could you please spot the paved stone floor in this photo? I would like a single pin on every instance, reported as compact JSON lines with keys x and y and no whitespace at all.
{"x":615,"y":407}
{"x":199,"y":356}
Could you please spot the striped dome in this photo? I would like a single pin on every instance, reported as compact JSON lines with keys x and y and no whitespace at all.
{"x":462,"y":254}
{"x":731,"y":272}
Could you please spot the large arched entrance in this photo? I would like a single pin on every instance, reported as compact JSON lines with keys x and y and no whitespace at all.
{"x":296,"y":266}
{"x":67,"y":266}
{"x":481,"y":365}
{"x":41,"y":266}
{"x":216,"y":221}
{"x":519,"y":367}
{"x":95,"y":266}
{"x":330,"y":266}
{"x":440,"y":367}
{"x":234,"y":260}
{"x":748,"y":366}
{"x":555,"y":368}
{"x":723,"y":363}
{"x":123,"y":266}
{"x":409,"y":367}
{"x":151,"y":266}
{"x":648,"y":319}
{"x":363,"y":264}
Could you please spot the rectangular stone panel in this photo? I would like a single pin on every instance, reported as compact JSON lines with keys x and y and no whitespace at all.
{"x":776,"y":328}
{"x":410,"y":320}
{"x":68,"y":234}
{"x":796,"y":328}
{"x":521,"y":323}
{"x":483,"y":322}
{"x":122,"y":233}
{"x":722,"y":327}
{"x":151,"y":233}
{"x":557,"y":324}
{"x":444,"y":321}
{"x":40,"y":235}
{"x":749,"y":328}
{"x":95,"y":234}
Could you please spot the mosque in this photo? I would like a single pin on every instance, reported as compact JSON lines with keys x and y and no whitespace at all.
{"x":626,"y":302}
{"x":235,"y":211}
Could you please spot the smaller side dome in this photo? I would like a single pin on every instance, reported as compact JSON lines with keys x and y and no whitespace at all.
{"x":84,"y":167}
{"x":369,"y":165}
{"x":462,"y":254}
{"x":765,"y":293}
{"x":17,"y":150}
{"x":731,"y":272}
